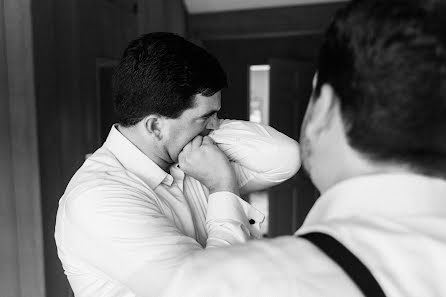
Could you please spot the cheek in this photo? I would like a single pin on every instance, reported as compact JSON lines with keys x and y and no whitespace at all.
{"x":183,"y":135}
{"x":188,"y":133}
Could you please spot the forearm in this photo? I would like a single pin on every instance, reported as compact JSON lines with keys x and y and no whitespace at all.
{"x":262,"y":156}
{"x":230,"y":220}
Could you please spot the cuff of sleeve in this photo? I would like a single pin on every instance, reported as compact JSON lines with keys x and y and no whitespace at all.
{"x":226,"y":206}
{"x":255,"y":219}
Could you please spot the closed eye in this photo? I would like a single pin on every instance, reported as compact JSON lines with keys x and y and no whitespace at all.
{"x":209,"y":115}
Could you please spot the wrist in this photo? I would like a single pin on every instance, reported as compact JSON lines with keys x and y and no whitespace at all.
{"x":225,"y":187}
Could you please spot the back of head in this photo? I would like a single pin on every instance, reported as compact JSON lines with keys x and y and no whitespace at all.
{"x":386,"y":61}
{"x":160,"y":73}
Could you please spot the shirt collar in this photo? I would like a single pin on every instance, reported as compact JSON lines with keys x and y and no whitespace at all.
{"x":136,"y":161}
{"x":385,"y":195}
{"x":178,"y":175}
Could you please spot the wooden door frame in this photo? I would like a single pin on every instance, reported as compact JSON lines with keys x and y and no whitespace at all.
{"x":21,"y":151}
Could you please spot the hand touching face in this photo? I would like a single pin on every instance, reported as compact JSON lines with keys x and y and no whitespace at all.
{"x":203,"y":160}
{"x":197,"y":120}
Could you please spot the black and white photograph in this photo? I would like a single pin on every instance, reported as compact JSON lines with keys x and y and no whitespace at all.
{"x":223,"y":148}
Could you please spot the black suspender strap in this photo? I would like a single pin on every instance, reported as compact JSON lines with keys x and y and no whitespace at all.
{"x":354,"y":268}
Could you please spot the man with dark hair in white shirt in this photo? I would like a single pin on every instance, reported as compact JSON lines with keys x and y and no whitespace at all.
{"x":374,"y":143}
{"x":132,"y":214}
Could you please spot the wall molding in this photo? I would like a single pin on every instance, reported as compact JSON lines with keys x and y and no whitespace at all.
{"x":263,"y":23}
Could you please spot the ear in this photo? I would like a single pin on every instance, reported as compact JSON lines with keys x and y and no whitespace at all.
{"x":153,"y":125}
{"x":319,"y":115}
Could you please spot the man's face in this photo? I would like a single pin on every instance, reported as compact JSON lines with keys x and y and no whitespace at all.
{"x":197,"y":120}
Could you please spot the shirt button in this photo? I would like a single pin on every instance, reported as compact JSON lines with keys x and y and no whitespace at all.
{"x":252,"y":222}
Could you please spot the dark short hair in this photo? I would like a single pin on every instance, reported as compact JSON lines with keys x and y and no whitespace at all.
{"x":386,"y":60}
{"x":160,"y":73}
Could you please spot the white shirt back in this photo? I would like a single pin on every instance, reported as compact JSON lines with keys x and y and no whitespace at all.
{"x":394,"y":223}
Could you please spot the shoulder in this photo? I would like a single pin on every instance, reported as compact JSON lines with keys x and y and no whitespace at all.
{"x":102,"y":186}
{"x":102,"y":173}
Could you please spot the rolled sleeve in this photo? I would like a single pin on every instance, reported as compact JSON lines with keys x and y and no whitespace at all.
{"x":262,"y":156}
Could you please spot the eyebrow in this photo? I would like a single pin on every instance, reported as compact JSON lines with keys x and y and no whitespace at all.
{"x":209,"y":114}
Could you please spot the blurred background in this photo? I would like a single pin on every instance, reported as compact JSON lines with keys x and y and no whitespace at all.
{"x":56,"y":62}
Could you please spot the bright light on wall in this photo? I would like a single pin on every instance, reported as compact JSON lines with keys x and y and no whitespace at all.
{"x":259,"y":113}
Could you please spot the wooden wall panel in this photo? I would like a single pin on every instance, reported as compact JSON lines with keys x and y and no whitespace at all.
{"x":152,"y":16}
{"x":9,"y":273}
{"x":176,"y":17}
{"x":93,"y":38}
{"x":162,"y":15}
{"x":47,"y":53}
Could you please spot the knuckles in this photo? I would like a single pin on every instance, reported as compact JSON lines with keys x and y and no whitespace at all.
{"x":202,"y":155}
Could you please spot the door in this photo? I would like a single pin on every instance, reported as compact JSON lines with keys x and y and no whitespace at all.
{"x":290,"y":90}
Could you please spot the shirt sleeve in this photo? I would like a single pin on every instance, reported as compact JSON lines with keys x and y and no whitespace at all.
{"x":262,"y":156}
{"x":283,"y":266}
{"x":258,"y":268}
{"x":231,"y":220}
{"x":123,"y":233}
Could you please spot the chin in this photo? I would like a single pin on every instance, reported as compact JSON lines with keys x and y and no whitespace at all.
{"x":174,"y":158}
{"x":169,"y":158}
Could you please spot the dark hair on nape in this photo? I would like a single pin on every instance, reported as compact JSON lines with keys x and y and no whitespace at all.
{"x":160,"y":73}
{"x":386,"y":61}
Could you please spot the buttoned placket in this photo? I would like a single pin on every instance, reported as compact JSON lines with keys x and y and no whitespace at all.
{"x":175,"y":182}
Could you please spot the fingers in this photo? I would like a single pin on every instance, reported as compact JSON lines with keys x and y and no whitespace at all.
{"x":187,"y":148}
{"x":196,"y":142}
{"x":193,"y":145}
{"x":189,"y":151}
{"x":181,"y":159}
{"x":208,"y":140}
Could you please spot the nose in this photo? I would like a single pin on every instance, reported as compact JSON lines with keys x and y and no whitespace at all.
{"x":213,"y":123}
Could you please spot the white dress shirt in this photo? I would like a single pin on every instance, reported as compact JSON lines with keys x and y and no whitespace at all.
{"x":124,"y":225}
{"x":394,"y":223}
